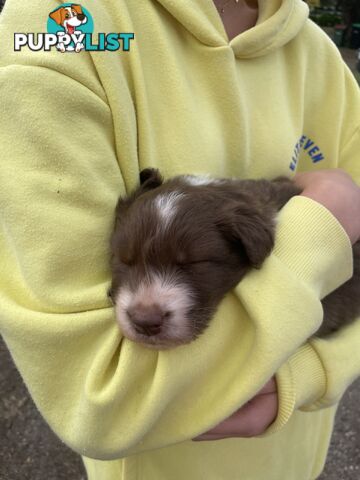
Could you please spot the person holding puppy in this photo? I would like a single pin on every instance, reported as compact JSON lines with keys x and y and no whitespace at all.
{"x":229,"y":88}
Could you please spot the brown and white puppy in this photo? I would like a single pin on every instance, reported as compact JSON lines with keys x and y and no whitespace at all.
{"x":179,"y":246}
{"x":69,"y":18}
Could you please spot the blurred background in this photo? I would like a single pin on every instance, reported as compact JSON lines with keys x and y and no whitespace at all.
{"x":340,"y":19}
{"x":28,"y":448}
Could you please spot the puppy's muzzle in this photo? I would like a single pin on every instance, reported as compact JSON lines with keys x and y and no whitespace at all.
{"x":147,"y":320}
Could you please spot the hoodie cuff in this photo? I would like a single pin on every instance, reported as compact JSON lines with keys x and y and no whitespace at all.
{"x":314,"y":246}
{"x":300,"y":382}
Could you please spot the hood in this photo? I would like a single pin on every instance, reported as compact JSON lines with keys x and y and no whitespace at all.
{"x":279,"y":21}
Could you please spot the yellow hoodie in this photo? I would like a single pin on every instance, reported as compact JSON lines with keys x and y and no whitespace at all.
{"x":75,"y":130}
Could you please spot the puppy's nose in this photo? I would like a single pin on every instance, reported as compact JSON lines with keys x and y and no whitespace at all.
{"x":147,"y":320}
{"x":80,"y":16}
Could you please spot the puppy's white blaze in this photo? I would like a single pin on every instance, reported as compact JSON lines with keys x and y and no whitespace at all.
{"x":166,"y":205}
{"x":164,"y":292}
{"x":197,"y":180}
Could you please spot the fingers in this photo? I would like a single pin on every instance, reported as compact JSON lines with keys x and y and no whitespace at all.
{"x":249,"y":421}
{"x":269,"y":387}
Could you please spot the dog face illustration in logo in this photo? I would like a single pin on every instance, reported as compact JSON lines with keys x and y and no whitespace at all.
{"x":69,"y":18}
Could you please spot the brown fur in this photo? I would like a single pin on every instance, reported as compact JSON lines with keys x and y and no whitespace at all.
{"x":219,"y":232}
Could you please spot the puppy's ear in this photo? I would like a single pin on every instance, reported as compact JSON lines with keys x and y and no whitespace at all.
{"x":150,"y":178}
{"x":249,"y":229}
{"x":57,"y":15}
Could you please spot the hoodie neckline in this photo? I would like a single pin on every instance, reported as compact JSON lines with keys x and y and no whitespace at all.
{"x":278,"y":22}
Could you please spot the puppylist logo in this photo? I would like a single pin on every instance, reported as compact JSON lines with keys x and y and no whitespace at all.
{"x":70,"y":28}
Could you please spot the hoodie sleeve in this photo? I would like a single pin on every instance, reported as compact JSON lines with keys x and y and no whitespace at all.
{"x":318,"y":373}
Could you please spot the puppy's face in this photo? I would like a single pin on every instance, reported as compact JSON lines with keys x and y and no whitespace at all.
{"x":177,"y":249}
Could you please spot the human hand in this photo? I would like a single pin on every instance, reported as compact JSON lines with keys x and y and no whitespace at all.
{"x":251,"y":419}
{"x":336,"y":191}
